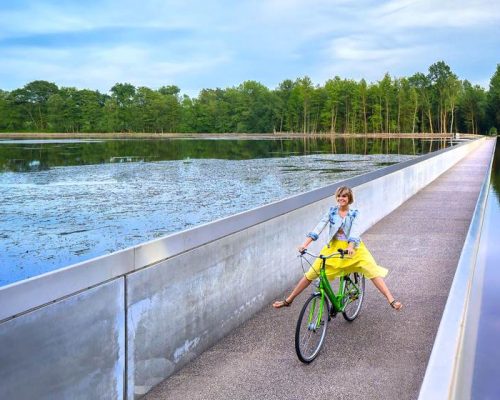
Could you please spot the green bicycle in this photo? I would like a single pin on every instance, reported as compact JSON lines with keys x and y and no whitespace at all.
{"x":323,"y":305}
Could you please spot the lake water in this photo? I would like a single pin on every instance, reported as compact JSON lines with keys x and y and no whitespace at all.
{"x":62,"y":202}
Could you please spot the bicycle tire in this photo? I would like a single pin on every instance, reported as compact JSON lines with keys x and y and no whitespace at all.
{"x":305,"y":331}
{"x":354,"y":294}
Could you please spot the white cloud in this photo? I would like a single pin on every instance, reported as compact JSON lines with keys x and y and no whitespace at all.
{"x":407,"y":14}
{"x":405,"y":36}
{"x":216,"y":43}
{"x":40,"y":18}
{"x":361,"y":49}
{"x":101,"y":68}
{"x":43,"y":18}
{"x":357,"y":57}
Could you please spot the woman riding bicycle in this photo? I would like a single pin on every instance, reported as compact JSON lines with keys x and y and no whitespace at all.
{"x":342,"y":234}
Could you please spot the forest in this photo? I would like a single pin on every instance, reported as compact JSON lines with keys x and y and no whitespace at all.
{"x":433,"y":102}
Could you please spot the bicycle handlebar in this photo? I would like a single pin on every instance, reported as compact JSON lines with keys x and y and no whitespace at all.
{"x":339,"y":252}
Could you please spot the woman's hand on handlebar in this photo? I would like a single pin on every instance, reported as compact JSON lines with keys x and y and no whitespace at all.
{"x":350,"y":250}
{"x":303,"y":246}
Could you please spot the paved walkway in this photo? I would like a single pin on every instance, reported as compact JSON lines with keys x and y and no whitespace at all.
{"x":381,"y":355}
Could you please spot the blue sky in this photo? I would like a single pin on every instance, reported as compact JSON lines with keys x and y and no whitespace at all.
{"x":208,"y":44}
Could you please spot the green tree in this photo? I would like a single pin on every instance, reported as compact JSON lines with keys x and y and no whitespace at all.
{"x":56,"y":107}
{"x":293,"y":106}
{"x":422,"y":85}
{"x":32,"y":100}
{"x":4,"y":110}
{"x":375,"y":119}
{"x":123,"y":96}
{"x":406,"y":96}
{"x":170,"y":90}
{"x":434,"y":102}
{"x":287,"y":109}
{"x":187,"y":123}
{"x":212,"y":112}
{"x":473,"y":106}
{"x":494,"y":99}
{"x":92,"y":105}
{"x":303,"y":91}
{"x":386,"y":95}
{"x":333,"y":88}
{"x":444,"y":83}
{"x":255,"y":108}
{"x":363,"y":94}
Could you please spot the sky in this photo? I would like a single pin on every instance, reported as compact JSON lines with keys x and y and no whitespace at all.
{"x":93,"y":44}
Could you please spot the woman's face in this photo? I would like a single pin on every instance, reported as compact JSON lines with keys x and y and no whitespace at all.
{"x":343,"y":199}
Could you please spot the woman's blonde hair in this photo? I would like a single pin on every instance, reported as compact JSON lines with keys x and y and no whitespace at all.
{"x":345,"y":190}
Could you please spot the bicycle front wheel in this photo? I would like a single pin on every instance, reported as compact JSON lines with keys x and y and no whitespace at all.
{"x":311,"y":328}
{"x":354,"y":293}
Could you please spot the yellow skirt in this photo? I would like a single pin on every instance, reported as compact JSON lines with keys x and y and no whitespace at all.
{"x":361,"y":262}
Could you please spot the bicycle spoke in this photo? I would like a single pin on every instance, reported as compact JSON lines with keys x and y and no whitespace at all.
{"x":311,"y":328}
{"x":354,"y":293}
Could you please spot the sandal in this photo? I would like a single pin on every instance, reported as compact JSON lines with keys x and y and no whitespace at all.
{"x":281,"y":303}
{"x":396,"y":305}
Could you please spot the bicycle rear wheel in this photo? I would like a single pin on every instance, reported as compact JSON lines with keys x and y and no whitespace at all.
{"x":354,"y":293}
{"x":311,"y":328}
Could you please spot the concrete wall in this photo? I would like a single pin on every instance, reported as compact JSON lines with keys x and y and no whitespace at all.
{"x":71,"y":349}
{"x":140,"y":314}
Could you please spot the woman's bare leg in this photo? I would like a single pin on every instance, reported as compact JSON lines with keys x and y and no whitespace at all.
{"x":299,"y":288}
{"x":382,"y":287}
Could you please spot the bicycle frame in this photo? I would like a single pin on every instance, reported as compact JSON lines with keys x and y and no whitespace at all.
{"x":336,"y":299}
{"x":326,"y":289}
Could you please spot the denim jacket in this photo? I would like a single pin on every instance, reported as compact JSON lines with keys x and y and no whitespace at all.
{"x":349,"y":225}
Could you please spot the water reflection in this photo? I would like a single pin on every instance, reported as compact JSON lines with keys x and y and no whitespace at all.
{"x":36,"y":155}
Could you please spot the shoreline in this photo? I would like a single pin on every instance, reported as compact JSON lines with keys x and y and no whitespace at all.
{"x":245,"y":136}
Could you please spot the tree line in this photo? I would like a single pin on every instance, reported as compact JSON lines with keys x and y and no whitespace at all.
{"x":435,"y":102}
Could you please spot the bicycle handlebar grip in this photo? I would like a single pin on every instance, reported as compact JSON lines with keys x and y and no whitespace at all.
{"x":342,"y":252}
